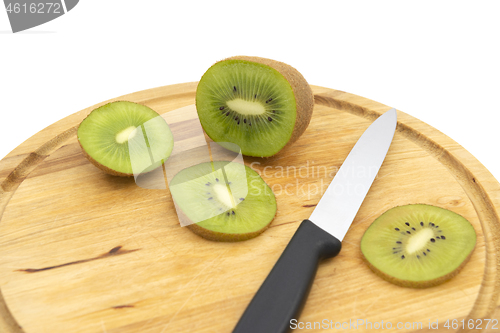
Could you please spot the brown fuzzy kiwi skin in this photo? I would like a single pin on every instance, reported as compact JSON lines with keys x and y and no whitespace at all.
{"x":218,"y":236}
{"x":97,"y":164}
{"x":416,"y":284}
{"x":304,"y":96}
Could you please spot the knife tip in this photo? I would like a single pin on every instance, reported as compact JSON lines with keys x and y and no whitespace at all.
{"x":391,"y":114}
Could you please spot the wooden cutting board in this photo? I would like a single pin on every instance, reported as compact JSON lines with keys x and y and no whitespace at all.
{"x":81,"y":251}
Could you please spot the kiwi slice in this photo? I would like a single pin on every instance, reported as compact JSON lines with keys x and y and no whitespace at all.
{"x":223,"y":201}
{"x":418,"y":245}
{"x":259,"y":104}
{"x":125,"y":137}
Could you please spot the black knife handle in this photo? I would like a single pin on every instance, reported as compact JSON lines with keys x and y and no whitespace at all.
{"x":284,"y":292}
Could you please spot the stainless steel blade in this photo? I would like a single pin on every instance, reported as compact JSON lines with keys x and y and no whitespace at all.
{"x":341,"y":201}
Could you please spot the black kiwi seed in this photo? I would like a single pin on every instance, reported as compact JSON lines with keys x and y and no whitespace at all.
{"x":238,"y":122}
{"x":414,"y":229}
{"x":442,"y":237}
{"x":397,"y":229}
{"x":221,"y":108}
{"x":408,"y":224}
{"x":433,"y":240}
{"x":228,"y":214}
{"x":408,"y":232}
{"x":398,"y":242}
{"x":255,"y":96}
{"x":216,"y":179}
{"x":428,"y":250}
{"x":208,"y":184}
{"x":210,"y":198}
{"x":233,"y":212}
{"x":234,"y":88}
{"x":402,"y":257}
{"x":422,"y":224}
{"x":424,"y":253}
{"x":418,"y":257}
{"x":227,"y":113}
{"x":269,"y":118}
{"x":245,"y":121}
{"x":241,"y":199}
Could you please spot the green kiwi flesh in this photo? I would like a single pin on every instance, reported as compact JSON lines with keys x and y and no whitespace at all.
{"x":223,"y":201}
{"x":418,"y":245}
{"x":250,"y":102}
{"x":114,"y":132}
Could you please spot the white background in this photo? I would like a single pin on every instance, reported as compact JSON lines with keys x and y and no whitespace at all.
{"x":435,"y":60}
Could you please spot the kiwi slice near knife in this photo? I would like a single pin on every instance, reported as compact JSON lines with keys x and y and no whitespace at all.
{"x":223,"y":201}
{"x":418,"y":245}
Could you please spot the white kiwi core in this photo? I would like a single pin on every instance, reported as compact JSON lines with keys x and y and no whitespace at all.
{"x":224,"y":196}
{"x":126,"y":134}
{"x":419,"y":240}
{"x":246,"y":107}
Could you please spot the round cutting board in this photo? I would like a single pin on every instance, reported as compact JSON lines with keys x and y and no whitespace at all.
{"x":82,"y":251}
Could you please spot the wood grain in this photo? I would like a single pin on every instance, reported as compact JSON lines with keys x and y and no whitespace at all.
{"x":81,"y":251}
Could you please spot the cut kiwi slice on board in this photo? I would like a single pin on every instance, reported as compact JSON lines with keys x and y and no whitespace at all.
{"x":223,"y":201}
{"x":418,"y":246}
{"x":123,"y":138}
{"x":259,"y":104}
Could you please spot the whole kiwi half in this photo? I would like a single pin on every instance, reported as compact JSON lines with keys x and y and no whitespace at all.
{"x":418,"y":246}
{"x":259,"y":104}
{"x":123,"y":138}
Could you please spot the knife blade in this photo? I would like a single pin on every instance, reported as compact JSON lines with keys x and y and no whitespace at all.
{"x":283,"y":294}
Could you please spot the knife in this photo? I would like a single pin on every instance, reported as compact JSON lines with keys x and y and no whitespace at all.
{"x":284,"y":292}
